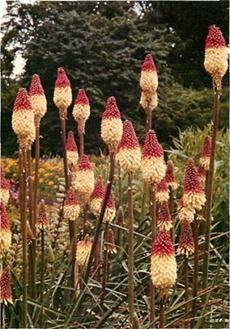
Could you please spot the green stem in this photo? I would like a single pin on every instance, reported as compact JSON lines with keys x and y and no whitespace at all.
{"x":23,"y":213}
{"x":210,"y":191}
{"x":130,"y":250}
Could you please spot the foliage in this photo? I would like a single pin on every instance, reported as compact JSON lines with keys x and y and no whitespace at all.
{"x":62,"y":310}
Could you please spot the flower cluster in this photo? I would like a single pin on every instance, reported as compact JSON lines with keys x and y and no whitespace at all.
{"x":129,"y":153}
{"x":81,"y":110}
{"x":163,"y":264}
{"x":62,"y":93}
{"x":111,"y":125}
{"x":153,"y":166}
{"x":216,"y":56}
{"x":149,"y":84}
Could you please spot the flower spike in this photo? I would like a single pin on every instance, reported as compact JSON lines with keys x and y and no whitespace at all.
{"x":5,"y":189}
{"x":62,"y":93}
{"x":186,"y":242}
{"x":149,"y":78}
{"x":5,"y":287}
{"x":37,"y":98}
{"x":97,"y":197}
{"x":206,"y":153}
{"x":71,"y":207}
{"x":193,"y":193}
{"x":111,"y":124}
{"x":83,"y":179}
{"x":153,"y":166}
{"x":23,"y":119}
{"x":163,"y":264}
{"x":71,"y":150}
{"x":81,"y":110}
{"x":129,"y":153}
{"x":216,"y":56}
{"x":5,"y":232}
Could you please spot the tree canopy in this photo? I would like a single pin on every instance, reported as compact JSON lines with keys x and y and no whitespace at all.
{"x":102,"y":45}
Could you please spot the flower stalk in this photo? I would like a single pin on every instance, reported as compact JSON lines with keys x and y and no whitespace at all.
{"x":130,"y":250}
{"x":23,"y":213}
{"x":32,"y":246}
{"x":105,"y":266}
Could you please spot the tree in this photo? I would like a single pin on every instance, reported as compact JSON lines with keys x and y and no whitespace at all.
{"x":101,"y":46}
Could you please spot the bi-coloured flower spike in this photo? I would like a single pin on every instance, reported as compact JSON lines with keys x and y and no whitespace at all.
{"x":164,"y":219}
{"x":71,"y":209}
{"x":153,"y":166}
{"x":5,"y":287}
{"x":5,"y":189}
{"x":129,"y":153}
{"x":202,"y":174}
{"x":149,"y":78}
{"x":111,"y":125}
{"x":62,"y":93}
{"x":83,"y":179}
{"x":42,"y":220}
{"x":206,"y":153}
{"x":5,"y":232}
{"x":81,"y":110}
{"x":23,"y":119}
{"x":163,"y":264}
{"x":185,"y":212}
{"x":37,"y":98}
{"x":193,"y":193}
{"x":162,"y":191}
{"x":97,"y":197}
{"x":186,"y":241}
{"x":170,"y":176}
{"x":71,"y":150}
{"x":110,"y":242}
{"x":149,"y":100}
{"x":216,"y":56}
{"x":110,"y":210}
{"x":83,"y":251}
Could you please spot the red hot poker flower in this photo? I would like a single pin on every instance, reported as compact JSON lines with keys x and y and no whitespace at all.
{"x":206,"y":153}
{"x":170,"y":176}
{"x":42,"y":220}
{"x":186,"y":241}
{"x":129,"y":153}
{"x":62,"y":92}
{"x":71,"y":208}
{"x":5,"y":287}
{"x":81,"y":110}
{"x":153,"y":165}
{"x":5,"y":232}
{"x":193,"y":193}
{"x":71,"y":150}
{"x":97,"y":197}
{"x":111,"y":124}
{"x":162,"y":193}
{"x":163,"y":264}
{"x":5,"y":189}
{"x":149,"y":78}
{"x":216,"y":55}
{"x":164,"y":220}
